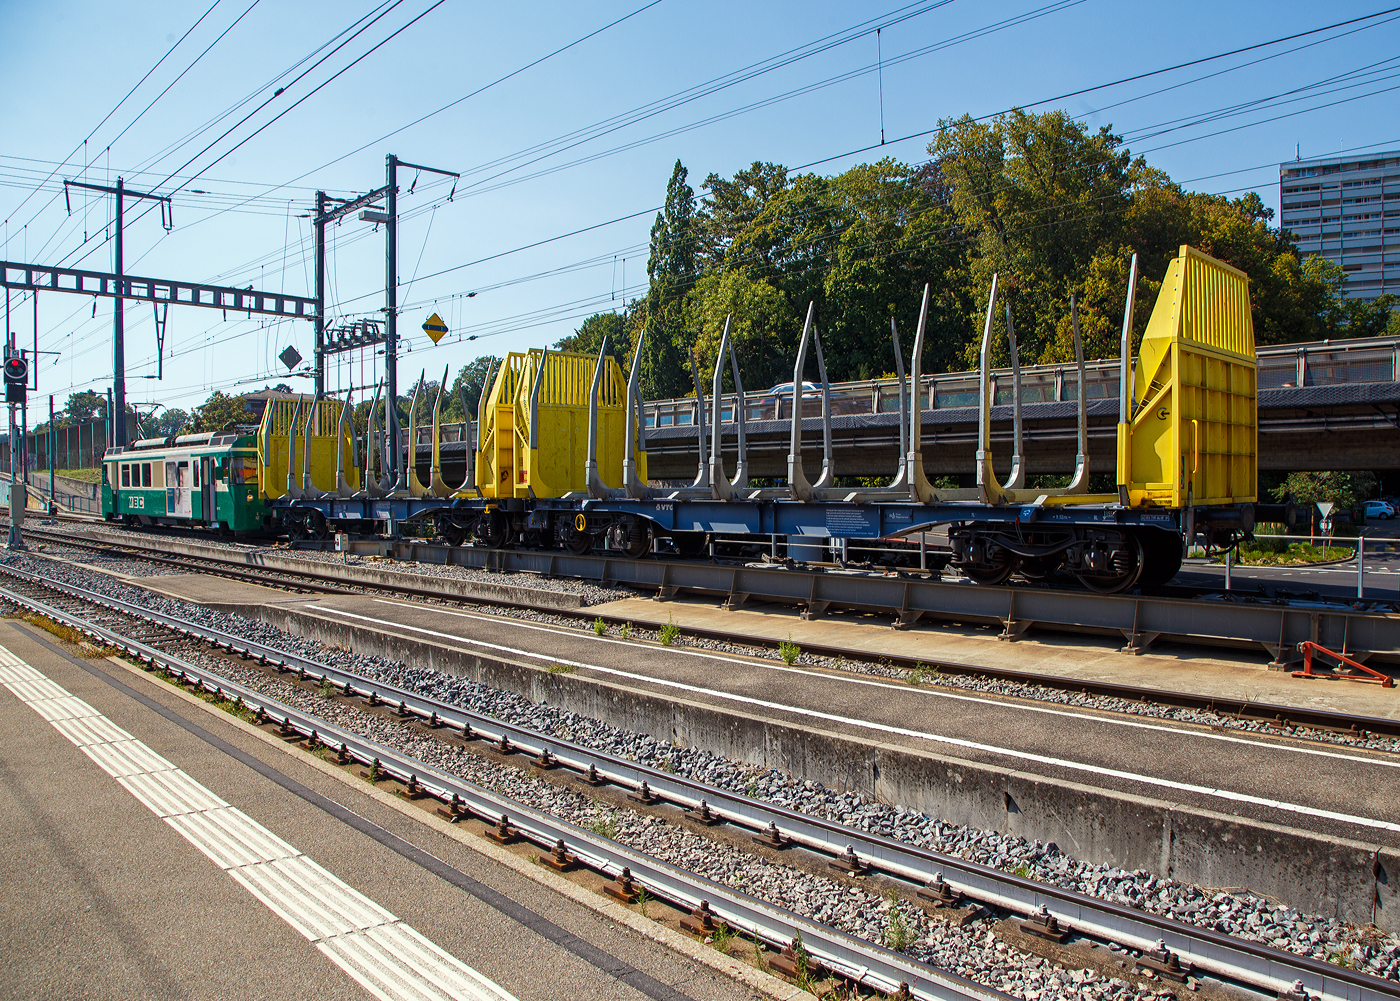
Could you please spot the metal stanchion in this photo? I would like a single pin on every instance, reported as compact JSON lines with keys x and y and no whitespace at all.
{"x":923,"y":551}
{"x":1229,"y":565}
{"x":1361,"y":566}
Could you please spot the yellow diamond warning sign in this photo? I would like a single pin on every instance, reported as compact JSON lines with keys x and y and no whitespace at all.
{"x":435,"y":328}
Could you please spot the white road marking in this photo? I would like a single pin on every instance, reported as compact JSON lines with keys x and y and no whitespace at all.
{"x":935,"y":693}
{"x":1044,"y":759}
{"x":388,"y":958}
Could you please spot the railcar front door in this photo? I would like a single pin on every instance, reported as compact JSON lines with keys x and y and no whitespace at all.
{"x":177,"y":481}
{"x":206,"y":480}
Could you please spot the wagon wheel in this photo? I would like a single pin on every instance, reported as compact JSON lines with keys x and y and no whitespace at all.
{"x":578,"y":543}
{"x":1127,"y":568}
{"x":638,"y":542}
{"x":999,"y":566}
{"x":452,"y":533}
{"x":494,"y":530}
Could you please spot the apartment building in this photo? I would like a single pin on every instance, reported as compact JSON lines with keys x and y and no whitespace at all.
{"x":1347,"y":209}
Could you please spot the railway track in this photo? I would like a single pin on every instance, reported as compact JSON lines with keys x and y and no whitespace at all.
{"x":140,"y":632}
{"x":310,"y":579}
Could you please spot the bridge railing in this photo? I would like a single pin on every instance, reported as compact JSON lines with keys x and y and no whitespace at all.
{"x":1316,"y":363}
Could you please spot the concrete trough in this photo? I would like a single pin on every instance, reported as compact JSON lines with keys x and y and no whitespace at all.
{"x":1350,"y":880}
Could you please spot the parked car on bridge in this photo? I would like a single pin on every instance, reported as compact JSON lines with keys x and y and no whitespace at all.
{"x":1379,"y":509}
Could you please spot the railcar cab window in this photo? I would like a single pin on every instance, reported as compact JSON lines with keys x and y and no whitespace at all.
{"x":145,"y":474}
{"x":243,"y":469}
{"x":196,"y":464}
{"x":126,"y":475}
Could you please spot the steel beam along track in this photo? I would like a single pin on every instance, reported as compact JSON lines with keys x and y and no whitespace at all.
{"x":1250,"y":963}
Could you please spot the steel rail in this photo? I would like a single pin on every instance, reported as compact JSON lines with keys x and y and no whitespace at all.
{"x":1234,"y":621}
{"x":1279,"y":715}
{"x":229,"y":569}
{"x":1241,"y":960}
{"x":853,"y":958}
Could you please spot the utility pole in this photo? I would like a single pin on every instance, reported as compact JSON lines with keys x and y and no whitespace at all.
{"x":319,"y":356}
{"x":391,"y":314}
{"x":391,"y":307}
{"x":167,"y":221}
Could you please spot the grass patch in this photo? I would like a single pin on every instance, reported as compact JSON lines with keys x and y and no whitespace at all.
{"x":600,"y":628}
{"x":643,"y":898}
{"x":669,"y":631}
{"x":789,"y":651}
{"x":626,"y":631}
{"x":899,"y":933}
{"x":562,"y":669}
{"x":87,"y":475}
{"x":87,"y":646}
{"x":327,"y":688}
{"x":1282,"y":553}
{"x":605,"y":825}
{"x":722,"y":937}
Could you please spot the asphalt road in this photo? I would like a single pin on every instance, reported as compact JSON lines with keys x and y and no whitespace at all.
{"x":110,"y":859}
{"x":1381,"y":572}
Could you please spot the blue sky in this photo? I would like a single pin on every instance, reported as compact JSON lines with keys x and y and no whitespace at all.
{"x":242,"y":220}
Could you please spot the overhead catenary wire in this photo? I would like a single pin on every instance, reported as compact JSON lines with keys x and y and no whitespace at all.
{"x":653,"y":210}
{"x":118,"y":105}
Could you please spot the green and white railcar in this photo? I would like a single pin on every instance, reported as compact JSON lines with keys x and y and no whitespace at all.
{"x":207,"y":480}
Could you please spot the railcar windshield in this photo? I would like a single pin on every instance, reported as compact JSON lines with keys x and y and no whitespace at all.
{"x":243,"y":469}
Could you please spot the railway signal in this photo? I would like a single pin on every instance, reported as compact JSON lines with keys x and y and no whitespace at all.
{"x":16,"y":379}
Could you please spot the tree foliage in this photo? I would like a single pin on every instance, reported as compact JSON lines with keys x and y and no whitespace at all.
{"x":218,"y":413}
{"x":1051,"y":207}
{"x":84,"y":406}
{"x":1346,"y":490}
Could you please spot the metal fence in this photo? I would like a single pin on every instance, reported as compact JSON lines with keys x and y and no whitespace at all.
{"x":1318,"y":363}
{"x":76,"y":446}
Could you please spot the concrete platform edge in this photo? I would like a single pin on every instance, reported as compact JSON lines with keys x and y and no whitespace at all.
{"x":767,"y":984}
{"x":1350,"y":880}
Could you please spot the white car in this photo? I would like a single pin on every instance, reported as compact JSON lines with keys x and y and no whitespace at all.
{"x":1379,"y":509}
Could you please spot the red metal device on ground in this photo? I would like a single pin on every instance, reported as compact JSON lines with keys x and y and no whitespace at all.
{"x":1368,"y":675}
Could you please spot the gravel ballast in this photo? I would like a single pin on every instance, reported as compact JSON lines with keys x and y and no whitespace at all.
{"x":1234,"y":913}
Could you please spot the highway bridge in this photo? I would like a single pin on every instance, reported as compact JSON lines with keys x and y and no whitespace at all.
{"x":1322,"y":406}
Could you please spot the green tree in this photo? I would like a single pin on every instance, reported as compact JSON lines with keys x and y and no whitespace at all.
{"x":219,"y":413}
{"x":168,"y":422}
{"x":1037,"y":195}
{"x":588,"y":338}
{"x":84,"y":406}
{"x":1346,"y":490}
{"x":671,"y":268}
{"x":469,"y":382}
